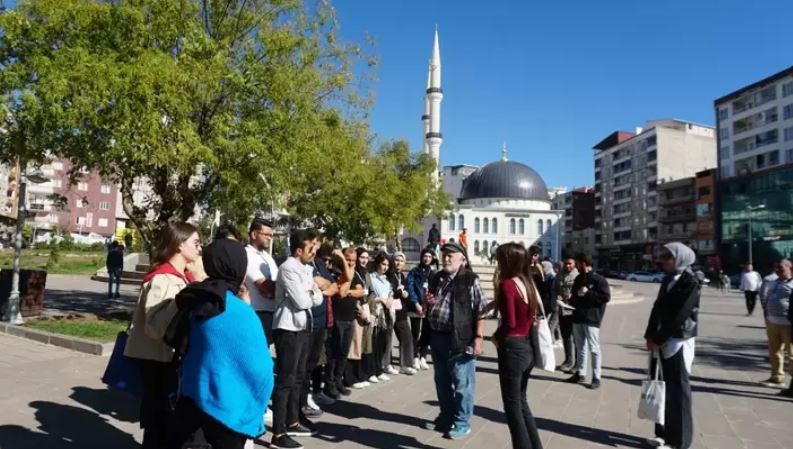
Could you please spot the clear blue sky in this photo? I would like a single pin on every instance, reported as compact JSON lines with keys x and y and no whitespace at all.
{"x":553,"y":78}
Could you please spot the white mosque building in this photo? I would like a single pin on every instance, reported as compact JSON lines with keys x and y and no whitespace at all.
{"x":503,"y":201}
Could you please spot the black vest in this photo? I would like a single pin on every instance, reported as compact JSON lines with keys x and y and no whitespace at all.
{"x":462,"y":308}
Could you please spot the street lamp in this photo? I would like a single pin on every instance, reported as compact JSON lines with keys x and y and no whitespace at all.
{"x":13,"y":314}
{"x":752,"y":209}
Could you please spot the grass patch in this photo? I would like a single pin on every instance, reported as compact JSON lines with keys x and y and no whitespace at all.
{"x":97,"y":329}
{"x":68,"y":263}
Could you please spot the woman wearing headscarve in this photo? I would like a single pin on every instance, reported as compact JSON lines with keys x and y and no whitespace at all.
{"x":670,"y":335}
{"x":227,"y":372}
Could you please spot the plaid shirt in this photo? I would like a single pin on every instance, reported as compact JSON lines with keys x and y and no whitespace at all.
{"x":440,"y":314}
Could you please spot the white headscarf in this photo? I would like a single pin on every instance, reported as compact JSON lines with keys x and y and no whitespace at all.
{"x":684,"y":256}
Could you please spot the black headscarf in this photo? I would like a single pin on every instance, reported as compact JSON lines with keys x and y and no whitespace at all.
{"x":225,"y":262}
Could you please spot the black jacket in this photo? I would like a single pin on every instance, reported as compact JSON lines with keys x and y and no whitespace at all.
{"x":590,"y":308}
{"x":675,"y":311}
{"x":115,"y":259}
{"x":462,"y":312}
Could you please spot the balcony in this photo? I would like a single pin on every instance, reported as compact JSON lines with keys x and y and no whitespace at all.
{"x":664,"y":200}
{"x":674,"y":217}
{"x":676,"y":235}
{"x":755,"y":121}
{"x":40,"y":207}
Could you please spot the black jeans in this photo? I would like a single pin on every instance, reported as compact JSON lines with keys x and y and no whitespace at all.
{"x":190,"y":418}
{"x":340,"y":341}
{"x":415,"y":329}
{"x":678,"y":428}
{"x":159,"y":381}
{"x":405,"y":337}
{"x":292,"y":351}
{"x":751,"y":301}
{"x":379,"y":341}
{"x":316,"y":342}
{"x":566,"y":326}
{"x":515,"y":362}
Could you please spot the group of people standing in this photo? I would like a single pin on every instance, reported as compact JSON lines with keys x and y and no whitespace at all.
{"x":204,"y":323}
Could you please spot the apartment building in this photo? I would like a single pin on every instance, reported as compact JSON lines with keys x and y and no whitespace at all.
{"x":755,"y":133}
{"x":629,"y":166}
{"x":578,"y":229}
{"x":706,"y":213}
{"x":676,"y":217}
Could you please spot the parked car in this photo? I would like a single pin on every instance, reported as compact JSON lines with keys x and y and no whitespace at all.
{"x":645,"y":276}
{"x":613,"y":274}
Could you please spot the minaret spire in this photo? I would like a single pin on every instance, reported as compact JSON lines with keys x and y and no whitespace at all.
{"x":433,"y":137}
{"x":504,"y":152}
{"x":425,"y":118}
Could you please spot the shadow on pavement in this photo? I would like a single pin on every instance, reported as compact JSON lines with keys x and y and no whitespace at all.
{"x":353,"y":410}
{"x":118,"y":404}
{"x":75,"y":301}
{"x":584,"y":433}
{"x":338,"y":433}
{"x":65,"y":427}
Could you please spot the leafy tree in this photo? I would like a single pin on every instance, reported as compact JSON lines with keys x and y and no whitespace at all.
{"x":197,"y":100}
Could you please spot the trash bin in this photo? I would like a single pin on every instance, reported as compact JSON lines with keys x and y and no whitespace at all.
{"x":31,"y":290}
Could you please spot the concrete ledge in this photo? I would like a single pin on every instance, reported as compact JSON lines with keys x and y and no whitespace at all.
{"x":64,"y":341}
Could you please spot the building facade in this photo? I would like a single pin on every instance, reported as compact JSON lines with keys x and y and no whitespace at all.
{"x":706,"y":214}
{"x":755,"y":194}
{"x":628,"y":168}
{"x":676,"y":212}
{"x":578,"y":227}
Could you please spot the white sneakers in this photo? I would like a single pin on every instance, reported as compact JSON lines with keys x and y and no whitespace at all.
{"x":408,"y":370}
{"x":360,"y":385}
{"x":373,"y":380}
{"x":416,"y":364}
{"x":311,"y":404}
{"x":423,"y":364}
{"x":383,"y":377}
{"x":391,"y":370}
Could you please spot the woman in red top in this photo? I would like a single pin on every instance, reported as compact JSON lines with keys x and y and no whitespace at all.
{"x":517,"y":300}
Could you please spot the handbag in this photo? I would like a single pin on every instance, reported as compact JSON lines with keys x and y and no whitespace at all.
{"x":541,"y":337}
{"x":122,"y":372}
{"x":652,"y":404}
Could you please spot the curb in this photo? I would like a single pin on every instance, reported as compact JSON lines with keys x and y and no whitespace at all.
{"x":63,"y":341}
{"x":621,"y":302}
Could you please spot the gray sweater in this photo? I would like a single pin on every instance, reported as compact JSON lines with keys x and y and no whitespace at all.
{"x":778,"y":300}
{"x":295,"y":295}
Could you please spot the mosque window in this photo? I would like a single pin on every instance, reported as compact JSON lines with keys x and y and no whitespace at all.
{"x":476,"y":225}
{"x":521,"y":227}
{"x":548,"y":225}
{"x":451,"y":222}
{"x":512,"y":226}
{"x":460,"y":222}
{"x":539,"y":227}
{"x":486,"y":226}
{"x":476,"y":246}
{"x":484,"y":247}
{"x":495,"y":226}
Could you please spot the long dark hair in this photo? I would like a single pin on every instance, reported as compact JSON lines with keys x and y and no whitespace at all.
{"x":378,"y":260}
{"x":513,"y":261}
{"x":172,"y":238}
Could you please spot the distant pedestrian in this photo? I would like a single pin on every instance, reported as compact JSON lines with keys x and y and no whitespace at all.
{"x":778,"y":323}
{"x":434,"y":237}
{"x":462,"y":238}
{"x":750,"y":285}
{"x":128,"y":240}
{"x":724,"y":282}
{"x":115,"y":267}
{"x":670,"y":335}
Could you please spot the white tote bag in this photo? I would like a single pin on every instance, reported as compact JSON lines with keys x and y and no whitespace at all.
{"x":541,"y":337}
{"x":652,"y":405}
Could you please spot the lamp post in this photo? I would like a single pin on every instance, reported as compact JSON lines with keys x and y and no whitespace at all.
{"x":751,"y":210}
{"x":13,"y":314}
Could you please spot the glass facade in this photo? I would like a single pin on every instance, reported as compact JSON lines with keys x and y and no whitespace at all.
{"x":772,"y":226}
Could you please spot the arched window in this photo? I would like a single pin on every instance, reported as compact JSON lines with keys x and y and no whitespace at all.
{"x":548,"y":225}
{"x":476,"y":246}
{"x":493,"y":243}
{"x":495,"y":226}
{"x":486,"y":226}
{"x":521,"y":227}
{"x":539,"y":227}
{"x":512,"y":226}
{"x":460,"y":222}
{"x":476,"y":225}
{"x":451,"y":222}
{"x":484,"y":247}
{"x":410,"y":245}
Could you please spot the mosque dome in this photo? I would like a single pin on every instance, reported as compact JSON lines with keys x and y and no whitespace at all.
{"x":504,"y":179}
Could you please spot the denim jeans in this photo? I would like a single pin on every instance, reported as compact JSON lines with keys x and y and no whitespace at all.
{"x":587,"y":339}
{"x":113,"y":277}
{"x":515,"y":362}
{"x":455,"y":381}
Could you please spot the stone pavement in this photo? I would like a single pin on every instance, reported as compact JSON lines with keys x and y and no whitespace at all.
{"x":52,"y":398}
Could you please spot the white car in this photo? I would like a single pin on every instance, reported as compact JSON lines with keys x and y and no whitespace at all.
{"x":645,"y":276}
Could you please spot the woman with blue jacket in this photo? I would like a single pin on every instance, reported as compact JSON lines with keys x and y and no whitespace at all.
{"x":227,"y":371}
